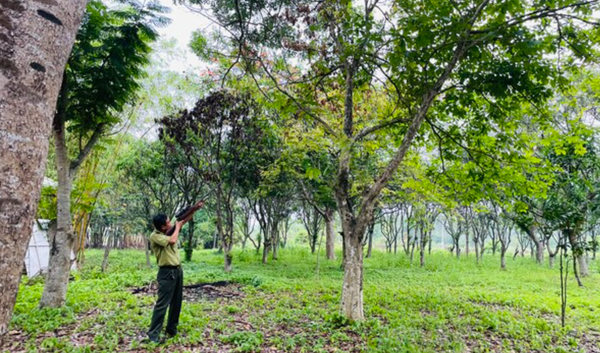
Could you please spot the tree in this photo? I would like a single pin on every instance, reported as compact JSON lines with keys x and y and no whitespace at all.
{"x":392,"y":224}
{"x":190,"y":185}
{"x":434,"y":61}
{"x":313,"y":223}
{"x":100,"y":78}
{"x":217,"y":138}
{"x":35,"y":43}
{"x":574,"y":194}
{"x":246,"y":224}
{"x":454,"y":226}
{"x":501,"y":229}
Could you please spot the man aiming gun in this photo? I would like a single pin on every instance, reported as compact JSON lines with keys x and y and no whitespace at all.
{"x":163,"y":242}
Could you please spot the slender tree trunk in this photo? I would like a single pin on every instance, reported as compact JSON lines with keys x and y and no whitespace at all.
{"x":330,"y":235}
{"x":429,"y":241}
{"x":189,"y":247}
{"x":467,"y":244}
{"x":36,"y":40}
{"x":503,"y":257}
{"x":370,"y":244}
{"x":147,"y":248}
{"x":59,"y":264}
{"x":457,"y":247}
{"x":266,"y":245}
{"x":107,"y":250}
{"x":422,"y":243}
{"x":576,"y":273}
{"x":275,"y":243}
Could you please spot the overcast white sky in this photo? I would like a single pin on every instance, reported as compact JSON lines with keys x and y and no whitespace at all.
{"x":183,"y":23}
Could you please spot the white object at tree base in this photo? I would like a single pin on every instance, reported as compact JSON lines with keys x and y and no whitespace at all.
{"x":38,"y":250}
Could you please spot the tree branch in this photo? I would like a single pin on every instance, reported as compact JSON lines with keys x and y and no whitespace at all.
{"x":76,"y":163}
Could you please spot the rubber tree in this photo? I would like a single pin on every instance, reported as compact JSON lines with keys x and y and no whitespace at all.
{"x":432,"y":60}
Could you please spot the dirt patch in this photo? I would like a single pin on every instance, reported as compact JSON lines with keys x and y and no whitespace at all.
{"x":200,"y":291}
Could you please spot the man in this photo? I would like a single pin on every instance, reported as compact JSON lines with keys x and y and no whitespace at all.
{"x":170,"y":275}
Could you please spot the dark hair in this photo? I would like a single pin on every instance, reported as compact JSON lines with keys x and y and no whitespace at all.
{"x":159,"y":220}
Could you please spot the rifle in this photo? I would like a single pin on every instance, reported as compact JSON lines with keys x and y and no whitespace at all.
{"x":187,"y":212}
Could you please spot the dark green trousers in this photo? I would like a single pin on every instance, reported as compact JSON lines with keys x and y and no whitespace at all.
{"x":170,"y":295}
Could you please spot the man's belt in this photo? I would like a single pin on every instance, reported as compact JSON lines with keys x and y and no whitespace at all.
{"x":171,"y":267}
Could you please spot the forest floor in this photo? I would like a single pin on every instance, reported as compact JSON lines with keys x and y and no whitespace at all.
{"x":287,"y":305}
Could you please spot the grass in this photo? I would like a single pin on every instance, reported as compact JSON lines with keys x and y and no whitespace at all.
{"x":286,"y":306}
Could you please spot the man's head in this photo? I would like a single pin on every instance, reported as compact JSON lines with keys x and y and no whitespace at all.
{"x":161,"y":222}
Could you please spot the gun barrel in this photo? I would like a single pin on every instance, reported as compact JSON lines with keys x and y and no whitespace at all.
{"x":181,"y":215}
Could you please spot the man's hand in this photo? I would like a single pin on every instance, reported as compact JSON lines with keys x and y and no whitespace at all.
{"x":179,"y":224}
{"x":200,"y":204}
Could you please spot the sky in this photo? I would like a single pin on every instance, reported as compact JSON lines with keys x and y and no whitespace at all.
{"x":183,"y":23}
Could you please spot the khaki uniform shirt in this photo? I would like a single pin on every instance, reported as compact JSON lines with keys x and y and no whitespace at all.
{"x":166,"y":254}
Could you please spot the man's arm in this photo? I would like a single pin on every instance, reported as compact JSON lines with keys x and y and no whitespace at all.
{"x":196,"y":207}
{"x":175,"y":235}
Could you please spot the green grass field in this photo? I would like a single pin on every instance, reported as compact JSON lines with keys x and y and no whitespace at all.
{"x":287,"y":306}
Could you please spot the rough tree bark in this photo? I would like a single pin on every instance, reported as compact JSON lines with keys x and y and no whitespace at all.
{"x":330,"y":235}
{"x":36,"y":38}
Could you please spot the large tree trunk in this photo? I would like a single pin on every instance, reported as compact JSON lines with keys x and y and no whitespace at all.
{"x":583,"y":265}
{"x":330,"y":235}
{"x":266,"y":246}
{"x":59,"y":264}
{"x":352,"y":289}
{"x":35,"y":42}
{"x":227,"y":260}
{"x":107,"y":249}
